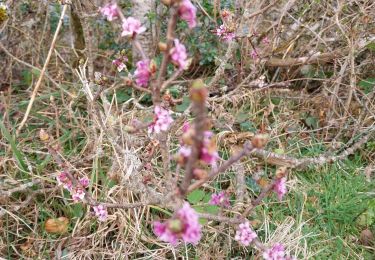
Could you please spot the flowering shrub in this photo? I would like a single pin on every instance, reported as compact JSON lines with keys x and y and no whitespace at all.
{"x":197,"y":153}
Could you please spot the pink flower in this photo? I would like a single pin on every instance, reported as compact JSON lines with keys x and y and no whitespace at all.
{"x":265,"y":40}
{"x":184,"y":151}
{"x":280,"y":187}
{"x":188,"y":12}
{"x":220,"y":199}
{"x":132,"y":27}
{"x":162,"y":120}
{"x":119,"y":64}
{"x":244,"y":234}
{"x":63,"y":179}
{"x":84,"y":181}
{"x":254,"y":54}
{"x":142,"y":73}
{"x":277,"y":252}
{"x":179,"y":55}
{"x":78,"y":194}
{"x":184,"y":225}
{"x":110,"y":11}
{"x":101,"y":212}
{"x":224,"y":33}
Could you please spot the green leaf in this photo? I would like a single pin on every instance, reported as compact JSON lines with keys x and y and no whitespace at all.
{"x":212,"y":209}
{"x":312,"y":122}
{"x":196,"y":196}
{"x":247,"y":126}
{"x":184,"y":105}
{"x":77,"y":210}
{"x":367,"y":85}
{"x":242,"y":117}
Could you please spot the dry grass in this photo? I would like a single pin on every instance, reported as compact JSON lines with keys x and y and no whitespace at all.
{"x":326,"y":92}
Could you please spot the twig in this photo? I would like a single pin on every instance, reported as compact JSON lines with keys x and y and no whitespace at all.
{"x":246,"y":151}
{"x":38,"y":83}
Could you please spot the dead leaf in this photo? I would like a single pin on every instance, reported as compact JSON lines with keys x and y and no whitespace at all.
{"x":57,"y":225}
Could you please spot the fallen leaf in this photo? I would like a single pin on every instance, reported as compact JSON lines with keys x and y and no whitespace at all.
{"x":57,"y":225}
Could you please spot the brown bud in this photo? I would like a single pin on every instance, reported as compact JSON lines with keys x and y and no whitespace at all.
{"x":162,"y":46}
{"x":198,"y":91}
{"x":128,"y":81}
{"x":260,"y":140}
{"x":200,"y":174}
{"x":281,"y":172}
{"x":187,"y":138}
{"x":43,"y":135}
{"x":153,"y":67}
{"x":166,"y":2}
{"x":167,"y":97}
{"x":57,"y":225}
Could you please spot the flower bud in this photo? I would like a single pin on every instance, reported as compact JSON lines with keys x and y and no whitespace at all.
{"x":175,"y":225}
{"x":281,"y":172}
{"x":153,"y":67}
{"x":162,"y":46}
{"x":260,"y":140}
{"x":166,"y":2}
{"x":200,"y":174}
{"x":128,"y":81}
{"x":43,"y":135}
{"x":198,"y":91}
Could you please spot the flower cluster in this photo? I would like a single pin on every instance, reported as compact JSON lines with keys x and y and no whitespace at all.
{"x":226,"y":34}
{"x":78,"y":191}
{"x":162,"y":120}
{"x":280,"y":187}
{"x":208,"y":152}
{"x":120,"y":61}
{"x":110,"y":11}
{"x":131,"y":27}
{"x":143,"y":73}
{"x":179,"y":55}
{"x":184,"y":225}
{"x":188,"y":12}
{"x":101,"y":212}
{"x":220,"y":199}
{"x":244,"y":234}
{"x":277,"y":252}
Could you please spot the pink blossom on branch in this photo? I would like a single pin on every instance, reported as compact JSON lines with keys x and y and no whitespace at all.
{"x":162,"y":120}
{"x":78,"y":194}
{"x":280,"y":188}
{"x":120,"y":65}
{"x":209,"y":152}
{"x":184,"y":225}
{"x":224,"y":33}
{"x":188,"y":12}
{"x":131,"y":27}
{"x":101,"y":212}
{"x":84,"y":181}
{"x":63,"y":179}
{"x":277,"y":252}
{"x":142,"y":73}
{"x":179,"y":55}
{"x":110,"y":11}
{"x":220,"y":199}
{"x":244,"y":234}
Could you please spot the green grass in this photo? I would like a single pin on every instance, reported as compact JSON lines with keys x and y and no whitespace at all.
{"x":330,"y":201}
